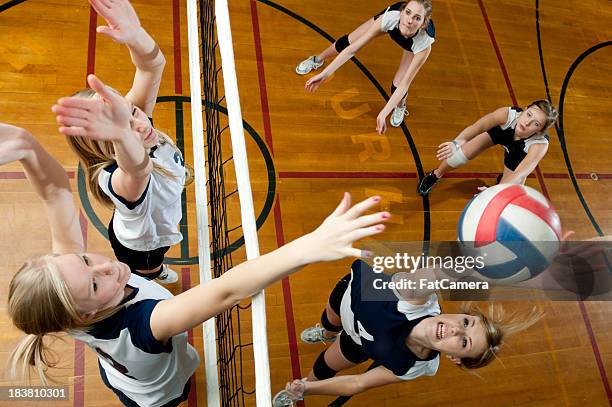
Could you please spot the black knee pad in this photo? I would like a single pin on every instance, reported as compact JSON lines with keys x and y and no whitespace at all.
{"x":342,"y":43}
{"x":328,"y":325}
{"x":321,"y":370}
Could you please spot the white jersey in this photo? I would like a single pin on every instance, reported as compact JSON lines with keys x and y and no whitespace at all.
{"x":420,"y":41}
{"x":152,"y":220}
{"x":381,"y":327}
{"x":134,"y":362}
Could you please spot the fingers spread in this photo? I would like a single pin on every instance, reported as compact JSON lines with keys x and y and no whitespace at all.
{"x":73,"y":131}
{"x":344,"y":205}
{"x":358,"y":209}
{"x":365,"y":232}
{"x":372,"y":219}
{"x":78,"y":103}
{"x":70,"y":112}
{"x":72,"y":121}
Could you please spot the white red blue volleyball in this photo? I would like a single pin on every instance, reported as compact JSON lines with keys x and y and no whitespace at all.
{"x":514,"y":228}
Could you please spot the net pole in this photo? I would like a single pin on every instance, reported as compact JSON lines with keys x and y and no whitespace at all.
{"x":197,"y":130}
{"x":260,"y":340}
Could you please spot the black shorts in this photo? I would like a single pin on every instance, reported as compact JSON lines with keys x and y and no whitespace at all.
{"x":136,"y":260}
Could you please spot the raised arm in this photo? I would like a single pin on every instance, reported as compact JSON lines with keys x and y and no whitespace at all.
{"x":123,"y":26}
{"x":486,"y":122}
{"x":372,"y":31}
{"x":331,"y":241}
{"x":108,"y":118}
{"x":51,"y":184}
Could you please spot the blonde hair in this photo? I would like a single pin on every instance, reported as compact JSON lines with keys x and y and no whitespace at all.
{"x":95,"y":155}
{"x":498,"y":324}
{"x":428,"y":9}
{"x":40,"y":304}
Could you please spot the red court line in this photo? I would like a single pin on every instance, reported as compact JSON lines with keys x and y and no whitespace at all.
{"x":192,"y":401}
{"x":412,"y":175}
{"x":176,"y":25}
{"x":91,"y":47}
{"x":79,"y":347}
{"x":583,"y":311}
{"x":280,"y":238}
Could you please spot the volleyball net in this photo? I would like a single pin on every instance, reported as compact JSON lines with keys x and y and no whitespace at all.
{"x":223,"y":185}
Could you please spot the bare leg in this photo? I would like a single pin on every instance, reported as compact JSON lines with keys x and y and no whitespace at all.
{"x":401,"y":72}
{"x":471,"y":149}
{"x":334,"y":359}
{"x":331,"y":51}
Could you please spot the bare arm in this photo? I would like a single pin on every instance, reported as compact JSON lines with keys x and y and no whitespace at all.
{"x":486,"y":122}
{"x":108,"y":118}
{"x":330,"y":241}
{"x":534,"y":155}
{"x":51,"y":184}
{"x":372,"y":31}
{"x":415,"y":65}
{"x":349,"y":385}
{"x":124,"y":27}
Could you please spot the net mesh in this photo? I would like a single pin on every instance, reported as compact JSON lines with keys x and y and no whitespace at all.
{"x":234,"y":348}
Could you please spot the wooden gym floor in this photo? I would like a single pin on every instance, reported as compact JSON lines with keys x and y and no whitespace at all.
{"x":487,"y":54}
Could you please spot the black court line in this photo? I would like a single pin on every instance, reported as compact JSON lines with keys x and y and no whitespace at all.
{"x":559,"y":124}
{"x":383,"y":93}
{"x":10,"y":4}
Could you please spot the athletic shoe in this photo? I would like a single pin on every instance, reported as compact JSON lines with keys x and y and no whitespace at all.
{"x":283,"y":399}
{"x":167,"y":276}
{"x":308,"y":65}
{"x":397,"y":117}
{"x":427,"y":183}
{"x":315,"y":334}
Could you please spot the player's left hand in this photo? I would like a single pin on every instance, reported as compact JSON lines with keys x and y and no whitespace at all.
{"x":121,"y":19}
{"x":381,"y":123}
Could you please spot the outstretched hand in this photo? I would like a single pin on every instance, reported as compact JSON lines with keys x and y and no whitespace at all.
{"x":122,"y":20}
{"x":104,"y":118}
{"x":334,"y":239}
{"x":313,"y":83}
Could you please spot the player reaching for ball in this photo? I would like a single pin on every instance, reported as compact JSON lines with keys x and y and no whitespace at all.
{"x":522,"y":133}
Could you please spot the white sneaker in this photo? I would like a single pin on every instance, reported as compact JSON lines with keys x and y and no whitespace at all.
{"x":308,"y":65}
{"x":283,"y":399}
{"x":397,"y":117}
{"x":167,"y":276}
{"x":315,"y":334}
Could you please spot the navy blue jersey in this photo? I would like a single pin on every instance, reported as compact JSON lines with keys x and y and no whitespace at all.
{"x":381,"y":327}
{"x":134,"y":363}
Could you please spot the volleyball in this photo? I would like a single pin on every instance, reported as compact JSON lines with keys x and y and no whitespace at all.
{"x":513,"y":228}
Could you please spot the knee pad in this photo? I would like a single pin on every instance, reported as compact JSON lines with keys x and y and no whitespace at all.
{"x":457,"y":159}
{"x":325,"y":323}
{"x":342,"y":43}
{"x":321,"y":370}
